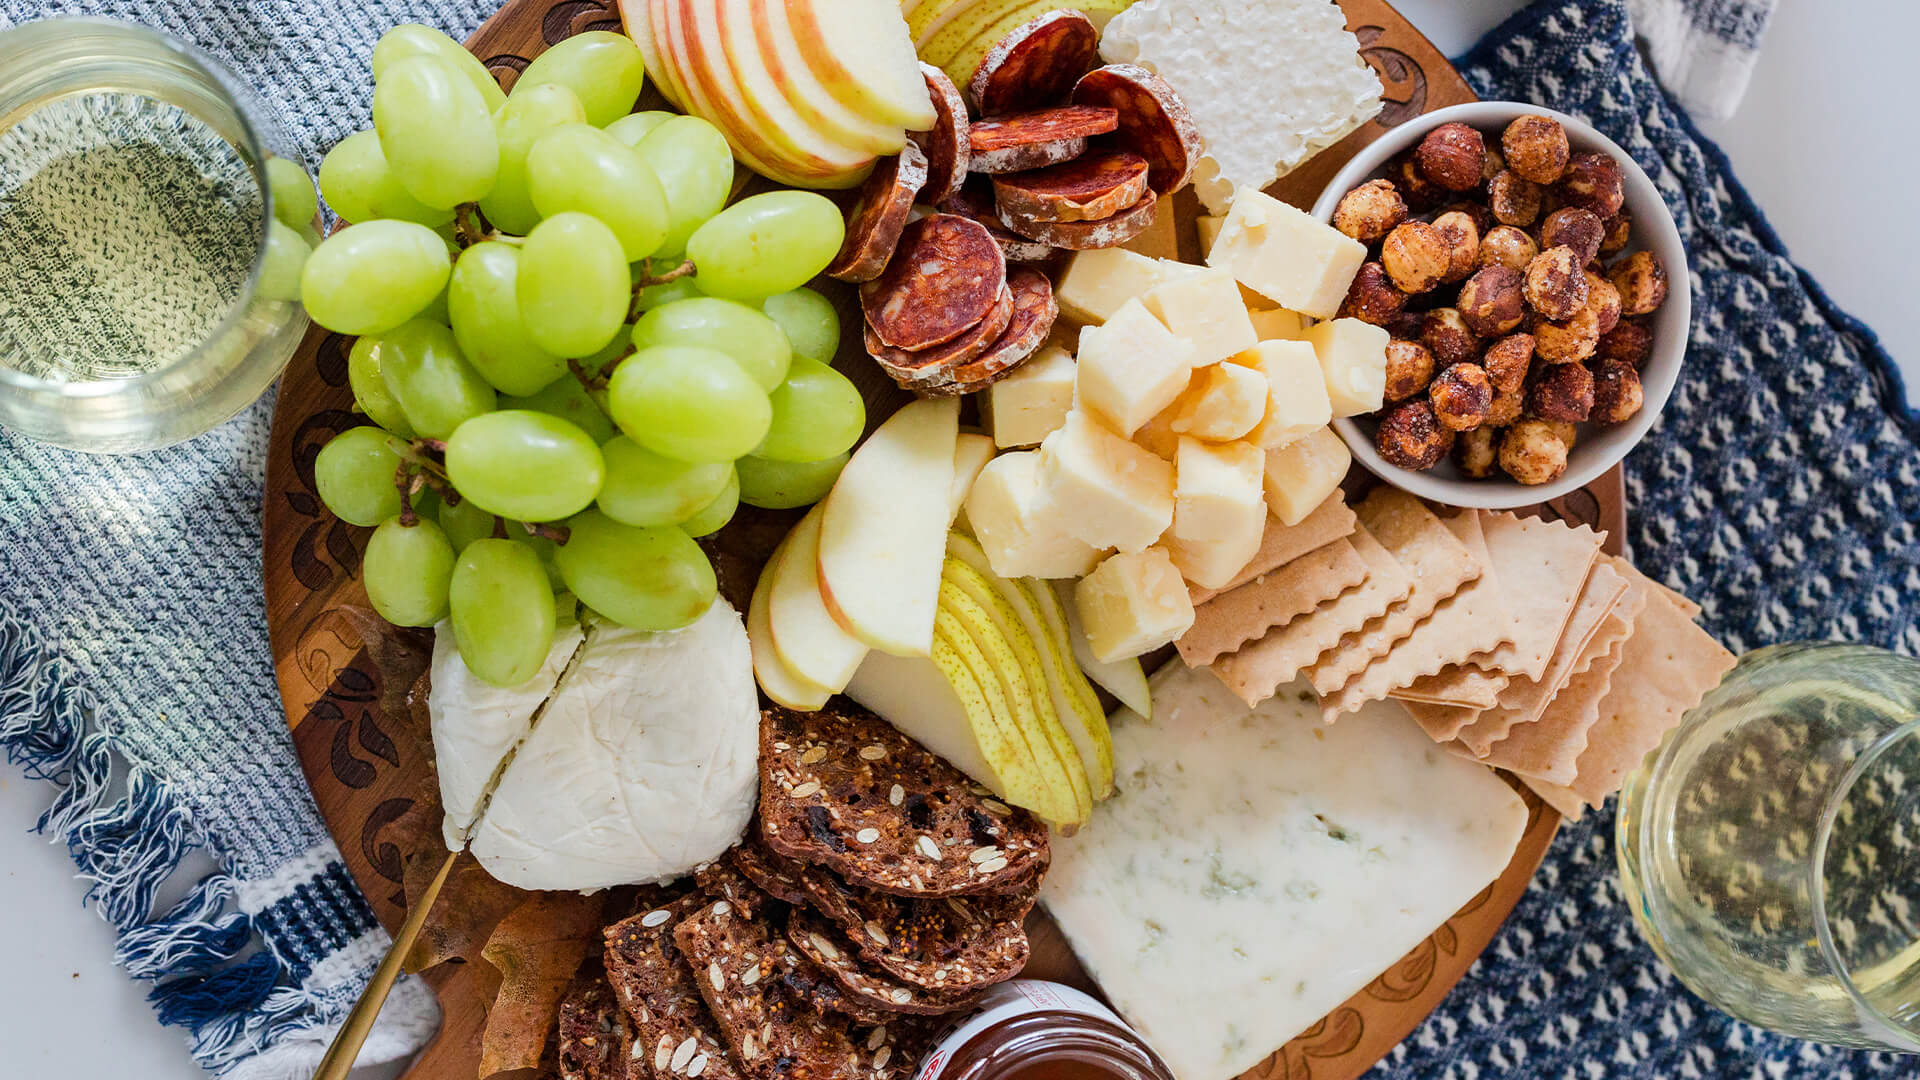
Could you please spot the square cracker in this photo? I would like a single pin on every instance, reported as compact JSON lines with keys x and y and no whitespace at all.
{"x":1442,"y":722}
{"x":1562,"y":799}
{"x":1281,"y":544}
{"x":1542,"y":566}
{"x":1260,"y":669}
{"x":1232,"y":619}
{"x":1461,"y":685}
{"x":1549,"y":748}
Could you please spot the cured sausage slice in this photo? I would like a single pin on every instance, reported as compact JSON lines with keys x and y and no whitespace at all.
{"x":975,"y":200}
{"x":1093,"y":186}
{"x":1035,"y":140}
{"x":945,"y":275}
{"x":877,"y":218}
{"x":1083,"y":235}
{"x":1036,"y":64}
{"x":1034,"y":312}
{"x":1153,"y":121}
{"x":911,"y":367}
{"x":945,"y":144}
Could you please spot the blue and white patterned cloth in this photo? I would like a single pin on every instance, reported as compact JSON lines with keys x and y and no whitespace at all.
{"x":1703,"y":51}
{"x":1781,"y":488}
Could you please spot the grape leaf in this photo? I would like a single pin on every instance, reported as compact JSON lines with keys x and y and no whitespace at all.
{"x":536,"y":948}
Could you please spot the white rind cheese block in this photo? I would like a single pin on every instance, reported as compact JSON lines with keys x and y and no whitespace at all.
{"x":1258,"y":868}
{"x":1301,"y":474}
{"x":1353,"y":359}
{"x":1130,"y":368}
{"x":1285,"y":255}
{"x":1206,"y":311}
{"x":1033,"y":402}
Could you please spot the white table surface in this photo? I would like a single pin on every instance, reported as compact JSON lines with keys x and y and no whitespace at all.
{"x":1812,"y":142}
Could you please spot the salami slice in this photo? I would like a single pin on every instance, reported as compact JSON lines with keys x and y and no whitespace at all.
{"x":1035,"y":65}
{"x":945,"y":276}
{"x":975,"y":200}
{"x":1083,"y":235}
{"x":879,"y":215}
{"x":1034,"y":312}
{"x":1093,"y":186}
{"x":1153,"y":121}
{"x":906,"y":367}
{"x":945,"y":143}
{"x":1035,"y":140}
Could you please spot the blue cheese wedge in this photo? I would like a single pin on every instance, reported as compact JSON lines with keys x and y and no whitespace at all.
{"x":1257,"y":868}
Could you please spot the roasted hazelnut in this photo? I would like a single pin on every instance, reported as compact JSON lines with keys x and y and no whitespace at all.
{"x":1532,"y":453}
{"x":1416,"y":256}
{"x":1409,"y":369}
{"x":1410,"y":437}
{"x":1642,"y":281}
{"x":1508,"y":360}
{"x":1513,"y":199}
{"x":1477,"y":452}
{"x":1562,"y":392}
{"x":1447,"y":336}
{"x":1493,"y":301}
{"x":1630,"y":342}
{"x":1372,"y":298}
{"x":1419,"y":193}
{"x":1594,"y":182}
{"x":1462,"y":235}
{"x":1567,"y":342}
{"x":1570,"y":226}
{"x":1406,"y":325}
{"x":1461,"y":396}
{"x":1492,"y":165}
{"x":1536,"y":148}
{"x":1507,"y":407}
{"x":1604,"y":301}
{"x":1505,"y":245}
{"x":1564,"y":431}
{"x":1619,"y":234}
{"x":1556,"y":283}
{"x":1483,"y":218}
{"x":1617,"y":394}
{"x":1452,"y":156}
{"x":1370,"y":211}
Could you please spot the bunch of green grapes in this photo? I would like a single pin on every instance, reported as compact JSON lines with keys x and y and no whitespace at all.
{"x":578,"y":356}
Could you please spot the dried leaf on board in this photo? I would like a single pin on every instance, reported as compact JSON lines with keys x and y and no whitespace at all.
{"x":471,"y":905}
{"x":536,"y":948}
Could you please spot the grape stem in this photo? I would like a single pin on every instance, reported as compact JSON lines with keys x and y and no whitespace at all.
{"x":409,"y":482}
{"x":685,"y":269}
{"x":587,"y":378}
{"x":559,"y":534}
{"x":469,"y":225}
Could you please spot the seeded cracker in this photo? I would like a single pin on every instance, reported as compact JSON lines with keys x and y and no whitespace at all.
{"x":593,"y":1040}
{"x":821,"y":990}
{"x":1282,"y":543}
{"x":1228,"y":621}
{"x":825,"y":781}
{"x":818,"y":941}
{"x":955,"y":945}
{"x":776,"y":875}
{"x":722,"y":880}
{"x":654,"y":985}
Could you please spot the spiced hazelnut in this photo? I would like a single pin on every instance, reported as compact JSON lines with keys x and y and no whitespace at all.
{"x":1492,"y":165}
{"x":1630,"y":342}
{"x":1594,"y":182}
{"x":1619,"y":234}
{"x":1531,"y":453}
{"x":1508,"y":360}
{"x":1569,"y":341}
{"x":1461,"y":396}
{"x":1370,"y":211}
{"x":1556,"y":283}
{"x":1372,"y":298}
{"x":1536,"y":148}
{"x":1493,"y":301}
{"x":1513,"y":199}
{"x":1562,"y":392}
{"x":1447,"y":336}
{"x":1409,"y":436}
{"x":1476,"y":452}
{"x":1617,"y":393}
{"x":1483,"y":218}
{"x":1564,"y":431}
{"x":1452,"y":155}
{"x":1604,"y":301}
{"x":1462,"y":234}
{"x":1419,"y":193}
{"x":1642,"y":281}
{"x":1406,"y":325}
{"x":1409,"y":369}
{"x":1570,"y":226}
{"x":1507,"y":406}
{"x":1416,"y":255}
{"x":1505,"y":245}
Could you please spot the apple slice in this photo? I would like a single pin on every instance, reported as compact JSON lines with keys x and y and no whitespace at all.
{"x":776,"y":680}
{"x":864,"y":54}
{"x":808,"y":640}
{"x":761,"y":27}
{"x":1040,"y":781}
{"x":1124,"y":679}
{"x":970,"y":456}
{"x":636,"y":20}
{"x":883,"y":529}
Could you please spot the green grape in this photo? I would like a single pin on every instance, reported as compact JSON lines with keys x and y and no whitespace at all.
{"x":464,"y":523}
{"x":643,"y":488}
{"x":434,"y":384}
{"x":355,"y":474}
{"x":406,"y":570}
{"x":426,"y":503}
{"x":654,"y":296}
{"x":413,"y":39}
{"x":602,"y":362}
{"x":485,"y":311}
{"x":294,"y":201}
{"x":573,"y":287}
{"x":766,"y":244}
{"x":633,"y":127}
{"x":280,"y":268}
{"x":436,"y":131}
{"x":529,"y":114}
{"x":525,"y":465}
{"x":437,"y":310}
{"x":647,"y":579}
{"x":809,"y":321}
{"x":360,"y":186}
{"x":783,"y":485}
{"x":688,"y":403}
{"x":817,"y":413}
{"x":695,"y":167}
{"x":753,"y":340}
{"x":715,"y":515}
{"x":545,"y":549}
{"x":374,"y":276}
{"x":576,"y":167}
{"x":503,"y":615}
{"x":370,"y":389}
{"x":604,"y":69}
{"x":568,"y":400}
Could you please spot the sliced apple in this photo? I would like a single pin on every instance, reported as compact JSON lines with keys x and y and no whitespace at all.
{"x":864,"y":55}
{"x":883,"y":530}
{"x":776,"y":680}
{"x":970,"y":455}
{"x":762,"y":26}
{"x":1124,"y":679}
{"x":1039,"y":782}
{"x":810,"y":643}
{"x":637,"y":20}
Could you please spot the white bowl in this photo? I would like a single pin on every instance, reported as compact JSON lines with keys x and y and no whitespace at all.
{"x":1599,"y":447}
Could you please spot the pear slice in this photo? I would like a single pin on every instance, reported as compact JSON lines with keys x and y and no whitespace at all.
{"x":1124,"y":679}
{"x":777,"y":680}
{"x":971,"y":452}
{"x":1001,"y":743}
{"x":931,"y":707}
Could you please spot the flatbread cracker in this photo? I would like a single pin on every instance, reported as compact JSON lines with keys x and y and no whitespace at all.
{"x":1542,"y":566}
{"x":1229,"y":621}
{"x":1282,"y":543}
{"x":1562,"y":799}
{"x":1443,"y":722}
{"x":1461,"y":685}
{"x":1259,"y":670}
{"x":1679,"y":599}
{"x":1549,"y":748}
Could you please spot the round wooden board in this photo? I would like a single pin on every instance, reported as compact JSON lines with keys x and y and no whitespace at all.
{"x":344,"y":675}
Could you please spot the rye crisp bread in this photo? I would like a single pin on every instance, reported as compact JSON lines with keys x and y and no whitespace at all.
{"x":821,"y":942}
{"x":593,"y":1039}
{"x":721,"y":880}
{"x":651,"y":979}
{"x":952,"y":945}
{"x":821,"y":990}
{"x":1230,"y":620}
{"x":775,"y":874}
{"x":841,"y":788}
{"x":1281,"y":543}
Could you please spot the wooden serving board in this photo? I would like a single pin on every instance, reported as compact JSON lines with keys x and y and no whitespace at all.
{"x":367,"y":756}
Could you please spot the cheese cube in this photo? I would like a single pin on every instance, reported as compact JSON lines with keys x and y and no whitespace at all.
{"x":1303,"y":473}
{"x":1206,"y":310}
{"x":1102,"y":489}
{"x":1031,"y":403}
{"x":1223,"y":403}
{"x":1283,"y":254}
{"x":1278,"y":324}
{"x":1219,"y":510}
{"x":1208,"y":226}
{"x":1297,"y":402}
{"x":1353,"y":360}
{"x":1157,"y":436}
{"x":1001,"y":511}
{"x":1097,"y":282}
{"x":1133,"y":604}
{"x":1130,"y":368}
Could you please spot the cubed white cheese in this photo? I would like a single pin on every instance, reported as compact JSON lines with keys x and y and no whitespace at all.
{"x":1206,"y":311}
{"x":1353,"y":359}
{"x":1208,"y":226}
{"x":1157,"y":436}
{"x":1102,"y":489}
{"x":1001,"y":511}
{"x":1282,"y":253}
{"x":1301,"y":474}
{"x":1277,"y":324}
{"x":1219,"y":510}
{"x":1131,"y":367}
{"x":1098,"y":281}
{"x":1223,"y":403}
{"x":1132,"y":604}
{"x":1297,"y":401}
{"x":1031,"y":403}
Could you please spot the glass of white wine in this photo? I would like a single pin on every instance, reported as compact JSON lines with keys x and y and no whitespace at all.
{"x":1770,"y":850}
{"x":150,"y":242}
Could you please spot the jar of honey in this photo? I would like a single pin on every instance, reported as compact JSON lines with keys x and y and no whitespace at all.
{"x":1032,"y":1030}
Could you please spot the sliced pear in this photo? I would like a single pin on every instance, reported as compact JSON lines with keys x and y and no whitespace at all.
{"x":776,"y":680}
{"x":956,"y":655}
{"x":1124,"y":679}
{"x":960,"y":36}
{"x":811,"y":644}
{"x":916,"y":695}
{"x":970,"y":455}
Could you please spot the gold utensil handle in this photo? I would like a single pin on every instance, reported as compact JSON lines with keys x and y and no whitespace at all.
{"x":353,"y":1032}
